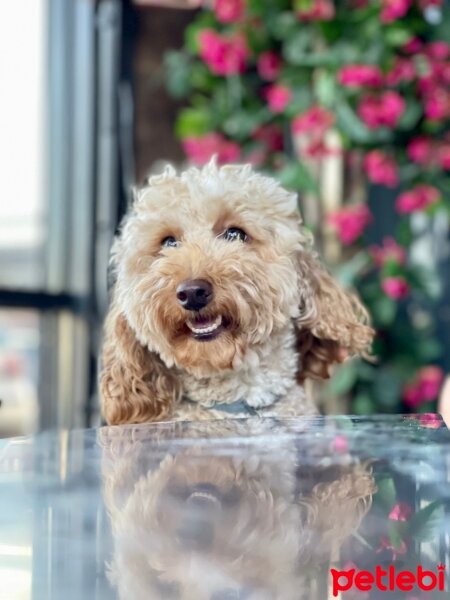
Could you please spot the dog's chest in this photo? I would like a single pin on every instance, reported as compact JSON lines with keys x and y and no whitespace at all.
{"x":269,"y":376}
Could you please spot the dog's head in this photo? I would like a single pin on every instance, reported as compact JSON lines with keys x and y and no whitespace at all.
{"x":210,"y":264}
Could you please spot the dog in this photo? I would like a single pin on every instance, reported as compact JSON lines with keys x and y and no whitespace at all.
{"x":248,"y":516}
{"x":220,"y":306}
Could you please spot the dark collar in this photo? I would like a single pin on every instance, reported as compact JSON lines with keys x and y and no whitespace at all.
{"x":235,"y":408}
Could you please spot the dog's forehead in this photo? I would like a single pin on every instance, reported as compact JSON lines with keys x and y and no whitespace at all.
{"x":206,"y":200}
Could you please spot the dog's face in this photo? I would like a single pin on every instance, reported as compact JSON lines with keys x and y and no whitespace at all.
{"x":209,"y":265}
{"x":211,"y":528}
{"x":206,"y":265}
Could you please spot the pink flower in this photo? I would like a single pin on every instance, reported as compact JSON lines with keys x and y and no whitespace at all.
{"x":360,"y":75}
{"x":437,"y":105}
{"x":340,"y":444}
{"x":315,"y":120}
{"x":350,"y":222}
{"x":381,"y":169}
{"x":278,"y":97}
{"x":424,"y":388}
{"x":403,"y":70}
{"x":392,"y":10}
{"x":389,"y":251}
{"x":384,"y":110}
{"x":223,"y":55}
{"x":413,"y":45}
{"x":317,"y":10}
{"x":257,"y":156}
{"x":430,"y":420}
{"x":396,"y":288}
{"x":420,"y":150}
{"x":438,"y":50}
{"x":419,"y":198}
{"x":443,"y":156}
{"x":269,"y":65}
{"x":412,"y":396}
{"x":386,"y":544}
{"x":229,"y":11}
{"x":200,"y":149}
{"x":431,"y":379}
{"x":317,"y":149}
{"x":401,"y":512}
{"x":270,"y":135}
{"x":424,"y":4}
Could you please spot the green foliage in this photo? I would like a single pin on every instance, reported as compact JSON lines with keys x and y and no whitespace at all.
{"x":311,"y":54}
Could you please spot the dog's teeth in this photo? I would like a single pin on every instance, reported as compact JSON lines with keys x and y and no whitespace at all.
{"x":208,"y":329}
{"x":205,"y":495}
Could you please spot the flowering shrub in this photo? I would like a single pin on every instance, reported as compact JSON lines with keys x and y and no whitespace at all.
{"x":271,"y":82}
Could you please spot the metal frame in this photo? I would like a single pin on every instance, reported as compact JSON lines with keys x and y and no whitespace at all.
{"x":67,"y":302}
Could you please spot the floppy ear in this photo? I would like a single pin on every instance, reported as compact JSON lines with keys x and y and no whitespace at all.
{"x":135,"y":385}
{"x":332,"y":325}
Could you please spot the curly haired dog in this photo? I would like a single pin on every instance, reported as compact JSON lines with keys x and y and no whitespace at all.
{"x":227,"y":521}
{"x":220,"y":305}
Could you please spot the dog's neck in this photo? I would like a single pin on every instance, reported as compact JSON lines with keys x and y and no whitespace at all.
{"x":266,"y":374}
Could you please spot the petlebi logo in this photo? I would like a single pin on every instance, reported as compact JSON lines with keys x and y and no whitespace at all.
{"x":388,"y":579}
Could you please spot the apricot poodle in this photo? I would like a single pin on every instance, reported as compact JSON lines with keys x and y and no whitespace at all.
{"x":220,"y":305}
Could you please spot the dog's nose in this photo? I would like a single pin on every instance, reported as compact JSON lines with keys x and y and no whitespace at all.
{"x":194,"y":294}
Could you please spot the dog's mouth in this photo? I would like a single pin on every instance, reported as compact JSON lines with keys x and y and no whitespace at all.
{"x":202,"y":327}
{"x":206,"y":495}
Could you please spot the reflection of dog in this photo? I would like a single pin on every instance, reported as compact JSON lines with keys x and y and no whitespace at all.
{"x":220,"y":304}
{"x":223,"y":521}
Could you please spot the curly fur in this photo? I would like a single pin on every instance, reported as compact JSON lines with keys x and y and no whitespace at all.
{"x":288,"y":320}
{"x":276,"y":524}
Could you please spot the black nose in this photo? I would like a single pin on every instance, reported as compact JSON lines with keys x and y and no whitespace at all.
{"x":194,"y":294}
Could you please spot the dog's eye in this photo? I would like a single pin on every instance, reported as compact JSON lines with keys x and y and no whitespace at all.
{"x":169,"y":242}
{"x":234,"y":233}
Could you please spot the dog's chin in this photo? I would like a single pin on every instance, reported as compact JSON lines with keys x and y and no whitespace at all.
{"x":204,"y":344}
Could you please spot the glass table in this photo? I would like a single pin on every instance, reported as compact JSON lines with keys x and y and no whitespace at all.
{"x":310,"y":508}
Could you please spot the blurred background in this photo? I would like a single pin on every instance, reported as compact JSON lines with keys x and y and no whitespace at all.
{"x":346,"y":102}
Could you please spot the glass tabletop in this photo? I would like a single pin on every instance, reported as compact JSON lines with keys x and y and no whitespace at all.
{"x":309,"y":508}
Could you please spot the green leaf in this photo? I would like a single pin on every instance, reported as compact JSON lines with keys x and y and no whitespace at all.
{"x":241,"y":124}
{"x":394,"y":534}
{"x":344,"y":378}
{"x":348,"y":272}
{"x":204,"y":21}
{"x":411,"y":116}
{"x":424,"y":524}
{"x":384,"y":310}
{"x":355,"y":129}
{"x":296,"y":176}
{"x":387,"y":389}
{"x":363,"y":404}
{"x":201,"y":78}
{"x":177,"y":73}
{"x":429,"y":350}
{"x":397,"y":35}
{"x":427,"y":280}
{"x":192,"y":122}
{"x":297,"y":51}
{"x":325,"y":88}
{"x":386,"y":494}
{"x":284,"y":25}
